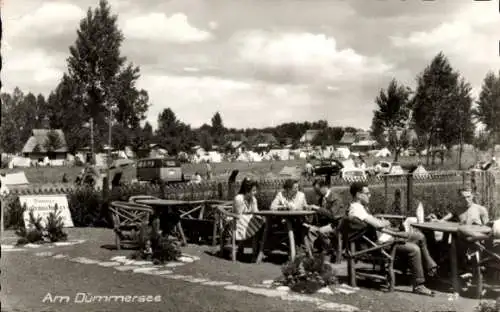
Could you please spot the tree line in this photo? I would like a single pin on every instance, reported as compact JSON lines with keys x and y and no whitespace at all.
{"x":440,"y":111}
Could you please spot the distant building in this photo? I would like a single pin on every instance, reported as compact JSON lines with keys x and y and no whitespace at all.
{"x":309,"y":136}
{"x":39,"y":145}
{"x":347,"y":140}
{"x":263,"y":141}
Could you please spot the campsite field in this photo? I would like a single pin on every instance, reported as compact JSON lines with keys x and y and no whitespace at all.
{"x":267,"y":169}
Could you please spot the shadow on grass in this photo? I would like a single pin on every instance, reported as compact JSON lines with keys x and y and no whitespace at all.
{"x":113,"y":247}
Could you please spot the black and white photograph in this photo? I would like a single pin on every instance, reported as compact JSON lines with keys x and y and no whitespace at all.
{"x":250,"y":155}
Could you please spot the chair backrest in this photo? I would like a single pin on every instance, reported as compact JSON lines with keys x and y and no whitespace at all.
{"x":126,"y":213}
{"x":352,"y":229}
{"x":135,"y":199}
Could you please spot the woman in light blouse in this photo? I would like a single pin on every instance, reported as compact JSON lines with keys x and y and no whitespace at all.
{"x":248,"y":225}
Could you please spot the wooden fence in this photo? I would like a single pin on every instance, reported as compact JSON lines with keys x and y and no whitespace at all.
{"x":428,"y":187}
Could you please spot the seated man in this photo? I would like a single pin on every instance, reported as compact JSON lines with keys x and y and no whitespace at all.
{"x":415,"y":248}
{"x":329,"y":210}
{"x":466,"y":211}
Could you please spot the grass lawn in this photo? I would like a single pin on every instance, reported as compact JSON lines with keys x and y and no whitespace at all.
{"x":266,"y":169}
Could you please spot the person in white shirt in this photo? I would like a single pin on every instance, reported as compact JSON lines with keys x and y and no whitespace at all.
{"x":293,"y":199}
{"x":415,"y":248}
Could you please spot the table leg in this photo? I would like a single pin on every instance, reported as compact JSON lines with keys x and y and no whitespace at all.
{"x":291,"y":239}
{"x":454,"y":264}
{"x":260,"y":254}
{"x":181,"y":232}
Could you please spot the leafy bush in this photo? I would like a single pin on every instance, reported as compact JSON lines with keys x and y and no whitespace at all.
{"x":158,"y":249}
{"x":33,"y":232}
{"x":14,"y":212}
{"x":307,"y":275}
{"x":488,"y":306}
{"x":54,"y":227}
{"x":85,"y":205}
{"x":36,"y":232}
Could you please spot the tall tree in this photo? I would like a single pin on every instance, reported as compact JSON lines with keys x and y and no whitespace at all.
{"x":391,"y":117}
{"x":488,"y":106}
{"x":218,"y":130}
{"x":53,"y":141}
{"x":175,"y":135}
{"x":102,"y":79}
{"x":65,"y":112}
{"x":435,"y":95}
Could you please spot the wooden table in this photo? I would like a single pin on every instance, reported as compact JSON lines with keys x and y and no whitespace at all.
{"x":391,"y":216}
{"x":284,"y":214}
{"x":452,"y":229}
{"x":169,"y":205}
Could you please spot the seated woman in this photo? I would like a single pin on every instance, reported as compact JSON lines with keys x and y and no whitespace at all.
{"x":244,"y":203}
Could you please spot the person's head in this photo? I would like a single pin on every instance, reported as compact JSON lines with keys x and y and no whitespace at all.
{"x":248,"y":187}
{"x":291,"y":187}
{"x":466,"y":197}
{"x":360,"y":192}
{"x":320,"y":187}
{"x":316,"y":186}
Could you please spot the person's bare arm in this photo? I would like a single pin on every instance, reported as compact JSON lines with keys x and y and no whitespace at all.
{"x":447,"y":217}
{"x":484,"y":216}
{"x":276,"y":203}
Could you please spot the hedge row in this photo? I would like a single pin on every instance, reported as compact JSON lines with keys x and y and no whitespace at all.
{"x":89,"y":209}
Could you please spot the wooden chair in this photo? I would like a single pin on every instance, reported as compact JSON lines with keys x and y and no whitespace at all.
{"x":361,"y":245}
{"x":226,"y":222}
{"x":128,"y":220}
{"x":486,"y":252}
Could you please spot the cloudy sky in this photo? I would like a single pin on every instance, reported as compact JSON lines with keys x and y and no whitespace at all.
{"x":261,"y":62}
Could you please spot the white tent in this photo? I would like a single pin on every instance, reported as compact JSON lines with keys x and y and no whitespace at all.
{"x":420,"y":172}
{"x":19,"y":162}
{"x":343,"y":152}
{"x":383,"y":153}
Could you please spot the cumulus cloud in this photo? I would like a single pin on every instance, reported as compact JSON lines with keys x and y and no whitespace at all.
{"x":160,"y":27}
{"x":196,"y":99}
{"x":471,"y":34}
{"x":36,"y":66}
{"x":50,"y":19}
{"x":315,"y":56}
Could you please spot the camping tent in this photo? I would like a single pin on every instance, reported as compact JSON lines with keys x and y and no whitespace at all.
{"x":383,"y":153}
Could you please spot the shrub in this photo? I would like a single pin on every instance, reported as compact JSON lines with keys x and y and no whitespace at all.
{"x":307,"y":275}
{"x":488,"y":306}
{"x":55,"y":227}
{"x":36,"y":232}
{"x":33,"y":232}
{"x":153,"y":247}
{"x":85,"y":205}
{"x":14,"y":212}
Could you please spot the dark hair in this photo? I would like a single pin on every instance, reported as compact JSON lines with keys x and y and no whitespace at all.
{"x":357,"y":187}
{"x":316,"y":182}
{"x":397,"y":192}
{"x":289,"y":183}
{"x":247,"y":186}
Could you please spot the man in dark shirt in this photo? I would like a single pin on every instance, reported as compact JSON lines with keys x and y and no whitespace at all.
{"x":330,"y":209}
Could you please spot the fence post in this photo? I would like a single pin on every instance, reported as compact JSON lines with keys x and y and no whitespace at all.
{"x":2,"y":221}
{"x":386,"y":193}
{"x":464,"y":179}
{"x":220,"y":191}
{"x":409,"y":192}
{"x":105,"y":189}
